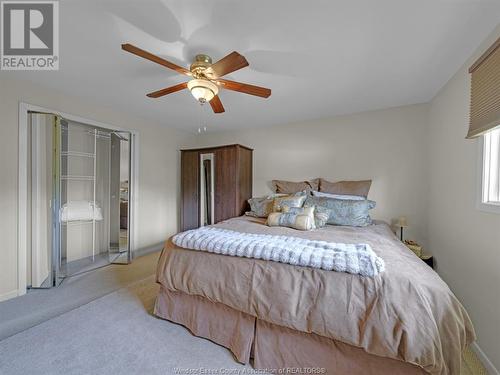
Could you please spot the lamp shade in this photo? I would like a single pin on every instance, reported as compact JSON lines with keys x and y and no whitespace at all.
{"x":202,"y":89}
{"x":402,"y":222}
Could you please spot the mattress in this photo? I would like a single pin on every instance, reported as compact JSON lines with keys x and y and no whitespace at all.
{"x":406,"y":313}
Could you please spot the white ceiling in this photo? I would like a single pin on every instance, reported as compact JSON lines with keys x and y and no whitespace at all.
{"x":320,"y":58}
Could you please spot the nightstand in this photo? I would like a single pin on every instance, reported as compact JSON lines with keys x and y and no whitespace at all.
{"x":413,"y":246}
{"x":417,"y":249}
{"x":428,"y":259}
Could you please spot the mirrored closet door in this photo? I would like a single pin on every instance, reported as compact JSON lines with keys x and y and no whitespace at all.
{"x":79,"y":198}
{"x":120,"y":197}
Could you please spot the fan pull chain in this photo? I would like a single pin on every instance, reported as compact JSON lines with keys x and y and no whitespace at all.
{"x":202,"y":128}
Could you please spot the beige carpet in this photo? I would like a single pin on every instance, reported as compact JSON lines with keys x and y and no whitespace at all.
{"x":118,"y":334}
{"x":40,"y":305}
{"x":472,"y":365}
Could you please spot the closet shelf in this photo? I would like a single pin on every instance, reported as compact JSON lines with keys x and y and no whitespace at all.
{"x":78,"y":154}
{"x":76,"y":222}
{"x":99,"y":134}
{"x":77,"y":178}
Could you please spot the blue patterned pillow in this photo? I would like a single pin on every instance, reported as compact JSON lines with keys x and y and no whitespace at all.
{"x":292,"y":200}
{"x":321,"y":214}
{"x":263,"y":206}
{"x":353,"y":213}
{"x":260,"y":207}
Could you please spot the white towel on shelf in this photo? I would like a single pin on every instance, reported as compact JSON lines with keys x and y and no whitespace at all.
{"x":80,"y":211}
{"x":358,"y":259}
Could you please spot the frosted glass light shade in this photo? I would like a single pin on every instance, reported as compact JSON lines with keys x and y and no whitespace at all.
{"x":202,"y":89}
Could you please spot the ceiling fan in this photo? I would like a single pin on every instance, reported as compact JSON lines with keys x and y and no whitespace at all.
{"x":206,"y":81}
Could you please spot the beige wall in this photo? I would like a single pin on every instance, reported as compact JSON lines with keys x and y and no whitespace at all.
{"x":464,"y":240}
{"x":387,"y":146}
{"x":158,"y":169}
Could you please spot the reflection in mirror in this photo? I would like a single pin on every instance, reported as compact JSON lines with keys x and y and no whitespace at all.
{"x":206,"y":189}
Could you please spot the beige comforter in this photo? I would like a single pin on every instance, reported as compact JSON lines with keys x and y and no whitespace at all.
{"x":406,"y":313}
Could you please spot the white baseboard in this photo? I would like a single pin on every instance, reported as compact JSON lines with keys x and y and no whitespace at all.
{"x":9,"y":295}
{"x":484,"y":359}
{"x":148,"y":250}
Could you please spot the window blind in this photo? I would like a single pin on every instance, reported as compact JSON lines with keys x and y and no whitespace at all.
{"x":485,"y":92}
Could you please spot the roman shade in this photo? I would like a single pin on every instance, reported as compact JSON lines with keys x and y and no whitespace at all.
{"x":485,"y":92}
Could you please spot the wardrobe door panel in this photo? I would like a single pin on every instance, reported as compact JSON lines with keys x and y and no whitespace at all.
{"x":225,"y":183}
{"x":190,"y":214}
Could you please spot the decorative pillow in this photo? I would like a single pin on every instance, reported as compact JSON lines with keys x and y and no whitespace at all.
{"x":291,"y":220}
{"x":263,"y":206}
{"x":319,"y":214}
{"x":290,"y":187}
{"x":343,"y":211}
{"x":360,"y":188}
{"x":297,"y":210}
{"x":260,"y":207}
{"x":338,"y":196}
{"x":295,"y":200}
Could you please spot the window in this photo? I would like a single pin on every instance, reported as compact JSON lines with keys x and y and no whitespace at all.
{"x":491,"y":168}
{"x":485,"y":124}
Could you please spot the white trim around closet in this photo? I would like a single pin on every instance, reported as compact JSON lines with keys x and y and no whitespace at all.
{"x":22,"y":237}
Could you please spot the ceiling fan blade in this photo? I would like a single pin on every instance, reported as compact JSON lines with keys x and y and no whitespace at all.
{"x":244,"y":87}
{"x":228,"y":64}
{"x":149,"y":56}
{"x":168,"y":90}
{"x":216,"y":104}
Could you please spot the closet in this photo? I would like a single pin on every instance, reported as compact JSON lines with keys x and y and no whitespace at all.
{"x":216,"y":183}
{"x":79,"y":181}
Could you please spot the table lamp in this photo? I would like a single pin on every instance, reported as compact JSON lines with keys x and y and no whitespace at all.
{"x":402,"y":223}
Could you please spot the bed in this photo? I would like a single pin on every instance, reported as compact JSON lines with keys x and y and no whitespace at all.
{"x":404,"y":320}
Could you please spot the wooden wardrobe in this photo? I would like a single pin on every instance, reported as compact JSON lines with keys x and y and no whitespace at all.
{"x":229,"y":168}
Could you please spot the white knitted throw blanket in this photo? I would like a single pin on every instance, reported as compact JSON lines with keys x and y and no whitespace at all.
{"x":357,"y":259}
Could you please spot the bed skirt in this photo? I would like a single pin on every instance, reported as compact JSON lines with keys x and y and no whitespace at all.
{"x":272,"y":347}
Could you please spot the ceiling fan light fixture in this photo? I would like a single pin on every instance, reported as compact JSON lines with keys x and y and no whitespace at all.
{"x":202,"y":89}
{"x":205,"y":77}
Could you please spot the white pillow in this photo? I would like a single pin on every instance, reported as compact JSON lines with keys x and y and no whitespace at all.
{"x":338,"y":196}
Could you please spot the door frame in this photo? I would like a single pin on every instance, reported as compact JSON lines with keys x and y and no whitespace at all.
{"x":22,"y":234}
